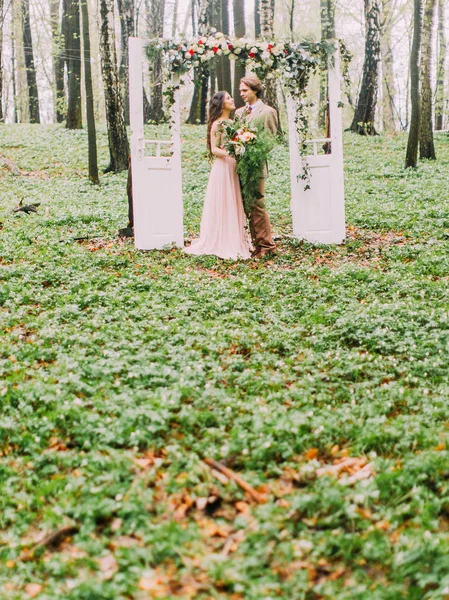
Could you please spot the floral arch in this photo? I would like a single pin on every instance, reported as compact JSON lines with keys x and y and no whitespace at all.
{"x":317,"y":206}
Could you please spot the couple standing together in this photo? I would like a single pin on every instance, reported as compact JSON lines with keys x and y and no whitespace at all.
{"x":222,"y":230}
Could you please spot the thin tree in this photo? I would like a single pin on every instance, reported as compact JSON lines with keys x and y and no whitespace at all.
{"x":441,"y":72}
{"x":426,"y":143}
{"x":57,"y":28}
{"x":240,"y":32}
{"x":267,"y":10}
{"x":155,"y":17}
{"x":127,"y":27}
{"x":365,"y":112}
{"x":33,"y":95}
{"x":220,"y":20}
{"x":198,"y":113}
{"x":257,"y":25}
{"x":117,"y":137}
{"x":174,"y":25}
{"x":90,"y":114}
{"x":327,"y":18}
{"x":225,"y":63}
{"x":73,"y":61}
{"x":386,"y":51}
{"x":411,"y":157}
{"x":1,"y":63}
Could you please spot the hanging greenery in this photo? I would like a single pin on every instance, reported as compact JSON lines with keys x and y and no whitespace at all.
{"x":292,"y":62}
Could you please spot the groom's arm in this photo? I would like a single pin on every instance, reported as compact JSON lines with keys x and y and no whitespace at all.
{"x":271,"y":121}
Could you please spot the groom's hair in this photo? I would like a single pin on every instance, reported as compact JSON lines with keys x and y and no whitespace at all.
{"x":254,"y":84}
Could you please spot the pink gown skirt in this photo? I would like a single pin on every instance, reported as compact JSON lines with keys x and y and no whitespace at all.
{"x":222,"y":230}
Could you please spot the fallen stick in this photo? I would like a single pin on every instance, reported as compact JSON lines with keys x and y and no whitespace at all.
{"x":55,"y":537}
{"x":210,"y":462}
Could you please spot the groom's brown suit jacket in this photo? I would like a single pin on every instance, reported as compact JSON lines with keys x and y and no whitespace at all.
{"x":259,"y":221}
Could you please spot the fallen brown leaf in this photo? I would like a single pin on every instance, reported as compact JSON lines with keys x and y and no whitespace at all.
{"x":33,"y":589}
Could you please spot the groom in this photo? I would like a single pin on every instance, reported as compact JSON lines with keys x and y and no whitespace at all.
{"x":265,"y":116}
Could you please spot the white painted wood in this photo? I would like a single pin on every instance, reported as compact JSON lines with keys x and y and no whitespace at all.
{"x":318,"y":213}
{"x":157,"y":182}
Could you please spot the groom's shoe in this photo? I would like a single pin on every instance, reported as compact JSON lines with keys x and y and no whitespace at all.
{"x":263,"y":252}
{"x":255,"y":252}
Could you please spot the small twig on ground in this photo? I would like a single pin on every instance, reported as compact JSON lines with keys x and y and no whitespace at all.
{"x":238,"y":480}
{"x":55,"y":537}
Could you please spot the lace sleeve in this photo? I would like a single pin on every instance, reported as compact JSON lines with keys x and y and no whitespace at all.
{"x":216,"y":140}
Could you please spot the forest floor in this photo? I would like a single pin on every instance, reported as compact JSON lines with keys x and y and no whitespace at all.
{"x":319,"y":378}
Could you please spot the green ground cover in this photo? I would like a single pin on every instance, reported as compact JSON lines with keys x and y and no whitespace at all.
{"x":320,"y":377}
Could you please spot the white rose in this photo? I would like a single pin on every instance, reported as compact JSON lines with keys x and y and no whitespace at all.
{"x":219,"y":35}
{"x":254,"y":50}
{"x":237,"y":50}
{"x":231,"y":57}
{"x":219,"y":52}
{"x":213,"y":30}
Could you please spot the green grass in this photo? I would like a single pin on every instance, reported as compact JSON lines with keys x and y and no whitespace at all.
{"x":121,"y":370}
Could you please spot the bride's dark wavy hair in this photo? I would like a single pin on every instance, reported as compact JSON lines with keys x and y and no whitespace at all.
{"x":215,"y":109}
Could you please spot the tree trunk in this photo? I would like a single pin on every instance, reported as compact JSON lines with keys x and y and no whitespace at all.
{"x":441,"y":73}
{"x":197,"y":113}
{"x":90,"y":115}
{"x":33,"y":97}
{"x":411,"y":157}
{"x":13,"y":71}
{"x":117,"y":138}
{"x":155,"y":14}
{"x":426,"y":144}
{"x":198,"y":106}
{"x":126,"y":12}
{"x":58,"y":60}
{"x":365,"y":112}
{"x":174,"y":25}
{"x":240,"y":32}
{"x":327,"y":17}
{"x":73,"y":52}
{"x":267,"y":8}
{"x":388,"y":86}
{"x":226,"y":65}
{"x":292,"y":20}
{"x":19,"y":72}
{"x":257,"y":26}
{"x":1,"y":61}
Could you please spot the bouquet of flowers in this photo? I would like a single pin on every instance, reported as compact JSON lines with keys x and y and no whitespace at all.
{"x":249,"y":146}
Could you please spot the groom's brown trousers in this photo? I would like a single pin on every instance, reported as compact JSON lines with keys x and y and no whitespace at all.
{"x":259,"y":225}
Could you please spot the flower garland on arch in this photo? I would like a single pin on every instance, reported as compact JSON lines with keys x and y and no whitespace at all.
{"x":293,"y":62}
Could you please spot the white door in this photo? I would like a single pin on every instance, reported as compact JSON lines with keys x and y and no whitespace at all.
{"x":318,"y":214}
{"x":156,"y":169}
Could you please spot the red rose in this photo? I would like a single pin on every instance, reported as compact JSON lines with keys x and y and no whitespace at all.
{"x":230,"y":46}
{"x":191,"y":51}
{"x":251,"y":54}
{"x":285,"y":51}
{"x":200,"y":42}
{"x":269,"y":47}
{"x":215,"y":49}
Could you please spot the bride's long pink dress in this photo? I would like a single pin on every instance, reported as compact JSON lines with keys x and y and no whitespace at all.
{"x":222,"y":230}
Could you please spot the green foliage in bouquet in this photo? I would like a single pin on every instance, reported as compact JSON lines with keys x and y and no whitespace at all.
{"x":249,"y":145}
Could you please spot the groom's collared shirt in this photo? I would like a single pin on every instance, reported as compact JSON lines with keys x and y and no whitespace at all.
{"x":252,"y":107}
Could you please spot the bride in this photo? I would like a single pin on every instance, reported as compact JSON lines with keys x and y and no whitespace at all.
{"x":222,"y":230}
